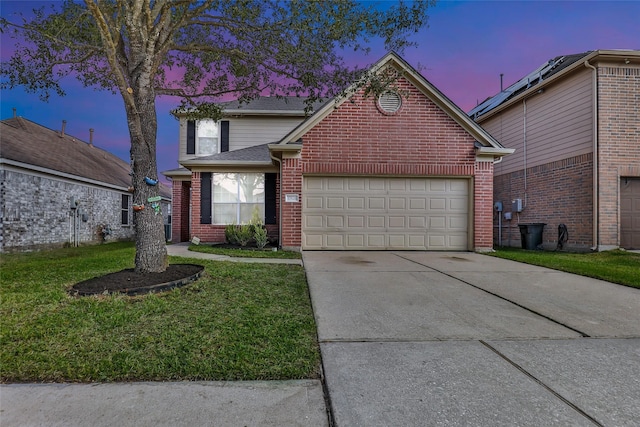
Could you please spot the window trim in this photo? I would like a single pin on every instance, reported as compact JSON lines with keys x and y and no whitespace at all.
{"x":197,"y":138}
{"x":125,"y":211}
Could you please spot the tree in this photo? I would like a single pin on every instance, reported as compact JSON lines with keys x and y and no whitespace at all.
{"x":197,"y":51}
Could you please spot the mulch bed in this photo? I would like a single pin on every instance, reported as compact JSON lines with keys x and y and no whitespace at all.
{"x":131,"y":283}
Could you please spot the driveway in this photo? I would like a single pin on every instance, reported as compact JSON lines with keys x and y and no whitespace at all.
{"x":432,"y":338}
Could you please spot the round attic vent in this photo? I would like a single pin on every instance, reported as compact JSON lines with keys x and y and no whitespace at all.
{"x":390,"y":101}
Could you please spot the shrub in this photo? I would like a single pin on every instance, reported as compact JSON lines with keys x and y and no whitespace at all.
{"x":244,"y":234}
{"x":231,"y":234}
{"x":260,"y":235}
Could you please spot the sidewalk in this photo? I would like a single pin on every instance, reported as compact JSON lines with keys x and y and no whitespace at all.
{"x":182,"y":250}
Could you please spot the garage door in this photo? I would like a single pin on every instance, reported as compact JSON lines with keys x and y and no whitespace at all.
{"x":630,"y":213}
{"x":360,"y":213}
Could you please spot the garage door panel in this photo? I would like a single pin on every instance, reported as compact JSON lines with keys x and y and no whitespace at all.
{"x":397,"y":203}
{"x":377,"y":241}
{"x":396,"y":222}
{"x":355,"y":213}
{"x":377,"y":203}
{"x":438,"y":204}
{"x":314,"y":221}
{"x":355,"y":203}
{"x":355,"y":221}
{"x":355,"y":240}
{"x":419,"y":222}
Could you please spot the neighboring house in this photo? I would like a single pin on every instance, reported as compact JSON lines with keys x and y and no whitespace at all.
{"x":403,"y":170}
{"x":575,"y":125}
{"x":58,"y":190}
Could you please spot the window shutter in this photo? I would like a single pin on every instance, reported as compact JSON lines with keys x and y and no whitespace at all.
{"x":270,"y":198}
{"x":224,"y":136}
{"x":191,"y":137}
{"x":205,"y":198}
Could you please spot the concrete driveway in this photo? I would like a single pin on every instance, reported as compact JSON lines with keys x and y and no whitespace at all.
{"x":430,"y":339}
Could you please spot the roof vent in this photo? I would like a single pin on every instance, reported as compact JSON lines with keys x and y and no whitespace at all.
{"x":390,"y":101}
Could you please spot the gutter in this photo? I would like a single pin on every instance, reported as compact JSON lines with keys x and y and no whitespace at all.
{"x":596,"y":202}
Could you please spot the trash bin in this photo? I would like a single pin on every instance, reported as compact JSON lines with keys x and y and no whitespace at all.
{"x":531,"y":235}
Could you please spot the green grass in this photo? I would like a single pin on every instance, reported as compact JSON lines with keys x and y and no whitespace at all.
{"x":238,"y":322}
{"x":245,"y":253}
{"x":613,"y":266}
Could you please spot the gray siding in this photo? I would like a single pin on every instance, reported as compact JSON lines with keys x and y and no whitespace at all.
{"x":36,"y":212}
{"x":247,"y":132}
{"x":558,"y":125}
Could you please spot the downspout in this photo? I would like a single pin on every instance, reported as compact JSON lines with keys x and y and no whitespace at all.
{"x":596,"y":237}
{"x":524,"y":149}
{"x":280,"y":201}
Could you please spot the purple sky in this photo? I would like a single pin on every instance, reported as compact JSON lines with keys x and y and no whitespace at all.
{"x":466,"y":47}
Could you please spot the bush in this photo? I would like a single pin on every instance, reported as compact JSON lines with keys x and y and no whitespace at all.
{"x":244,"y":234}
{"x":231,"y":234}
{"x":260,"y":235}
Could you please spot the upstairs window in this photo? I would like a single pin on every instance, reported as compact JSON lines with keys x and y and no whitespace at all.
{"x":207,"y":137}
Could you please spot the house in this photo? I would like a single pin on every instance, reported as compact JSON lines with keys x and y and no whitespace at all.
{"x":575,"y":125}
{"x":403,"y":169}
{"x":59,"y":190}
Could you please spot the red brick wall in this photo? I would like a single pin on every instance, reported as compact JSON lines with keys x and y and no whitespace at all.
{"x":291,"y":212}
{"x":618,"y":143}
{"x":180,"y":211}
{"x":418,"y":140}
{"x":557,"y":193}
{"x":483,"y":205}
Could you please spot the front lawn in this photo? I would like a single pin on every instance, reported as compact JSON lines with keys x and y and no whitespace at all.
{"x":238,"y":322}
{"x":613,"y":266}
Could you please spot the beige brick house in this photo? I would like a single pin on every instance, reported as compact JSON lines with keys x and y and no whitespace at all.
{"x":56,"y":190}
{"x":404,"y":169}
{"x":575,"y":125}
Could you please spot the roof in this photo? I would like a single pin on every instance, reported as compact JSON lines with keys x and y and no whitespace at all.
{"x":543,"y":72}
{"x":27,"y":143}
{"x":270,"y":105}
{"x":258,"y":154}
{"x":444,"y":103}
{"x":546,"y":73}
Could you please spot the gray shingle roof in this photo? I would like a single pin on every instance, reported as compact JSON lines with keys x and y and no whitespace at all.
{"x":24,"y":141}
{"x":258,"y":153}
{"x":270,"y":103}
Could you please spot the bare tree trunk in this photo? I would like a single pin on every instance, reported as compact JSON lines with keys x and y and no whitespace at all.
{"x":151,"y":252}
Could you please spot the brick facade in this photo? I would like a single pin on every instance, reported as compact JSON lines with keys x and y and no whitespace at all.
{"x":36,"y":212}
{"x":618,"y":143}
{"x":418,"y":140}
{"x":557,"y":193}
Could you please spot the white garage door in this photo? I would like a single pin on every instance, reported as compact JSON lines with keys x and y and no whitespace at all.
{"x":360,"y":213}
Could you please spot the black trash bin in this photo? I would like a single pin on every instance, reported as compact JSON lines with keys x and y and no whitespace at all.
{"x":531,"y":235}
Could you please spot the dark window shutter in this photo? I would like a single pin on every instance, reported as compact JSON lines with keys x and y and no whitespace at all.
{"x":270,"y":198}
{"x":205,"y":198}
{"x":224,"y":136}
{"x":191,"y":137}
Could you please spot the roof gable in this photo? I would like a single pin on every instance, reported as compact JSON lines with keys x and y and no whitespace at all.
{"x":421,"y":83}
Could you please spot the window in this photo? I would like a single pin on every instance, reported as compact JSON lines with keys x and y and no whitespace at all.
{"x":125,"y":209}
{"x":236,"y":196}
{"x":207,"y":138}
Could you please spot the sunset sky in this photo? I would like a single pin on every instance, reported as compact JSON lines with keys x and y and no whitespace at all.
{"x":466,"y":47}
